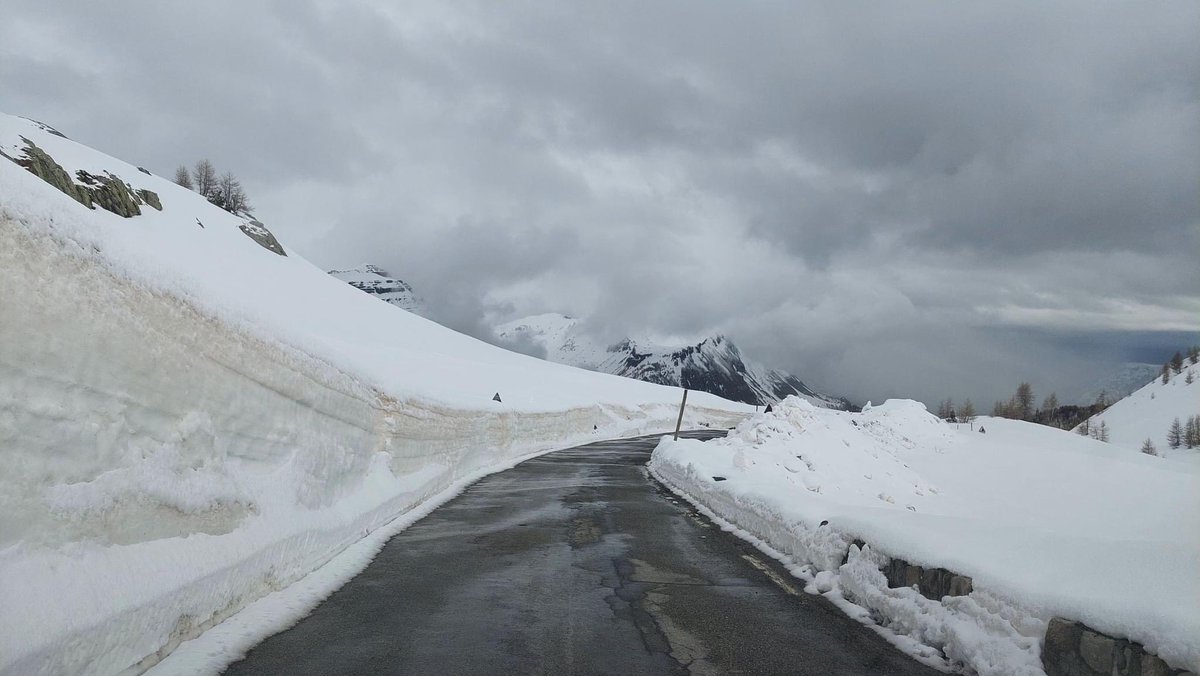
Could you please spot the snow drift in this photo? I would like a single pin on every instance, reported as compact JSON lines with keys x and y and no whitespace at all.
{"x":192,"y":416}
{"x":1046,"y":522}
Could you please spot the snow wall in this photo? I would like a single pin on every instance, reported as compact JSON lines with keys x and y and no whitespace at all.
{"x":163,"y":469}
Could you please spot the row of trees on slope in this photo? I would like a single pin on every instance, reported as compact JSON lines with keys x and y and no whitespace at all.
{"x":224,"y":191}
{"x":1023,"y":406}
{"x":1179,"y":434}
{"x":1175,"y":364}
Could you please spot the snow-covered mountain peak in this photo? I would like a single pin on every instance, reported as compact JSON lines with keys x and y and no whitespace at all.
{"x":714,"y":364}
{"x":380,"y":283}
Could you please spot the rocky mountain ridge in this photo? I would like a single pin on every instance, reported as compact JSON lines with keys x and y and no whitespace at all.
{"x":380,"y":283}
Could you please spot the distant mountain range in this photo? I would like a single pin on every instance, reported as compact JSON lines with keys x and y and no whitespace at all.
{"x":714,"y":364}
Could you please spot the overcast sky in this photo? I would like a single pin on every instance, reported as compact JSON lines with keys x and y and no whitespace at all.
{"x":914,"y":199}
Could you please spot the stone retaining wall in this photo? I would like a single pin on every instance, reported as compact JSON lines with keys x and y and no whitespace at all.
{"x":933,"y":583}
{"x":1072,"y":649}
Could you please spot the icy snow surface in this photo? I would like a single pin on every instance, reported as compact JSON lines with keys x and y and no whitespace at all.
{"x":1046,"y":522}
{"x":189,"y":422}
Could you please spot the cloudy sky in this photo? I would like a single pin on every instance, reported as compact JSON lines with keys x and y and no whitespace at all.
{"x":918,"y":199}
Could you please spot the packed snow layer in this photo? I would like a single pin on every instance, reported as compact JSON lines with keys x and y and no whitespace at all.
{"x":1046,"y":522}
{"x":1148,"y":412}
{"x":189,"y":422}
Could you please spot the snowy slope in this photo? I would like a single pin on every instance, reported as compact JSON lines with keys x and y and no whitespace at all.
{"x":1046,"y":522}
{"x":1148,"y":412}
{"x":713,"y":365}
{"x":192,"y":416}
{"x":378,"y":282}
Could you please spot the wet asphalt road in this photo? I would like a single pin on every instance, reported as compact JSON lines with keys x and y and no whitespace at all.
{"x":573,"y":563}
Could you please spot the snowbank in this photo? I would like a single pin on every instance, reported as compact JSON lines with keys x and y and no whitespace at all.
{"x":1046,"y":522}
{"x":189,"y":421}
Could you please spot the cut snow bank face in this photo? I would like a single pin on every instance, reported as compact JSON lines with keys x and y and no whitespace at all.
{"x":189,"y":421}
{"x":1045,"y":521}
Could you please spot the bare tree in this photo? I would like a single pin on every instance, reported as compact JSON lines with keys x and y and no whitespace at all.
{"x":229,"y":194}
{"x":1148,"y":448}
{"x":183,"y":177}
{"x":204,"y":175}
{"x":967,"y":413}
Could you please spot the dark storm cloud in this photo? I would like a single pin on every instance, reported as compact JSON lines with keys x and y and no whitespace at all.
{"x":886,"y":198}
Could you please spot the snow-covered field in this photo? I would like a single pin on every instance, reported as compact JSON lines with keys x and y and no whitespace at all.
{"x":1147,"y":414}
{"x":189,"y":421}
{"x":1047,"y":523}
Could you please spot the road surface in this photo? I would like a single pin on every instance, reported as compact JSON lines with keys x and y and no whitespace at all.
{"x":574,"y":563}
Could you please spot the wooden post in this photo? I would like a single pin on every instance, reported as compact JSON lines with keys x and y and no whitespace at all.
{"x":679,"y":422}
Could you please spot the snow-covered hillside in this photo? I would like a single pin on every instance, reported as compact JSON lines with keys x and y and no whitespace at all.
{"x":192,"y":416}
{"x":713,"y":365}
{"x":1149,"y":412}
{"x":1046,"y":522}
{"x":377,"y":281}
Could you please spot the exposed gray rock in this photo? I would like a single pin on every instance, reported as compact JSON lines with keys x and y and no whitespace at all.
{"x":1096,"y":651}
{"x":1151,"y":665}
{"x":47,"y":128}
{"x":109,"y":192}
{"x":259,"y":233}
{"x":40,"y":164}
{"x":960,"y":585}
{"x":150,"y":197}
{"x":1062,"y":636}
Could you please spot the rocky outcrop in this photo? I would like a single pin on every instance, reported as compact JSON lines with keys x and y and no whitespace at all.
{"x":109,"y":191}
{"x":258,"y":232}
{"x":1072,"y":649}
{"x":38,"y":163}
{"x":111,"y":194}
{"x":150,"y":197}
{"x":381,"y":284}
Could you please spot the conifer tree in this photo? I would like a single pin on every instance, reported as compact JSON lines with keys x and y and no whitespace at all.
{"x":1166,"y":374}
{"x":1177,"y":362}
{"x":1148,"y":447}
{"x":1175,"y":434}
